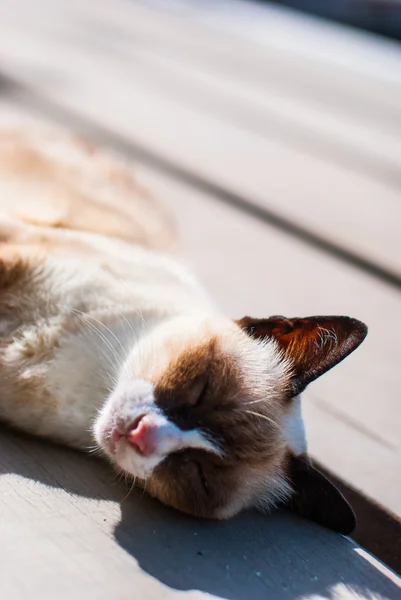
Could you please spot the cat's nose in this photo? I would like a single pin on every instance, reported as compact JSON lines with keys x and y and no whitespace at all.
{"x":143,"y":435}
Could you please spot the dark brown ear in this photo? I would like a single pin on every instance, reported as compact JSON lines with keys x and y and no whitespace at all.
{"x":317,"y":499}
{"x":314,"y":344}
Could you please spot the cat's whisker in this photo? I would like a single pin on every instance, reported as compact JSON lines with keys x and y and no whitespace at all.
{"x":131,"y":488}
{"x":254,"y":402}
{"x":130,"y":327}
{"x":144,"y":488}
{"x":256,"y":414}
{"x":102,"y":338}
{"x":118,"y":473}
{"x":137,"y":312}
{"x":86,"y":316}
{"x":134,"y":338}
{"x":96,"y":330}
{"x":91,"y":446}
{"x":136,"y":334}
{"x":120,"y":362}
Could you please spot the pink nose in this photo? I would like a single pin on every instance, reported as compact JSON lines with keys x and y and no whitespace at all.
{"x":143,"y":436}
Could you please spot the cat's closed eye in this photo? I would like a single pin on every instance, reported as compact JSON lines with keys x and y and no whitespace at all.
{"x":196,"y":474}
{"x":178,"y":404}
{"x":197,"y":390}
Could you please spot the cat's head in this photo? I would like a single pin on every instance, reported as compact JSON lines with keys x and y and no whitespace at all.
{"x":206,"y":414}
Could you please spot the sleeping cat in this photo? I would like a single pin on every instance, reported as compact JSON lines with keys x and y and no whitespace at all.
{"x":108,"y":340}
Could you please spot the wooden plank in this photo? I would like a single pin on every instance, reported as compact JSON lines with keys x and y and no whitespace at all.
{"x":293,"y":33}
{"x":330,"y":75}
{"x":53,"y":502}
{"x":288,"y":153}
{"x":68,"y":529}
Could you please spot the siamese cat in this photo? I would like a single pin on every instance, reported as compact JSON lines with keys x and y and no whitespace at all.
{"x":108,"y":340}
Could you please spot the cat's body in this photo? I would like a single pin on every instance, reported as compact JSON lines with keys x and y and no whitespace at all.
{"x":106,"y":336}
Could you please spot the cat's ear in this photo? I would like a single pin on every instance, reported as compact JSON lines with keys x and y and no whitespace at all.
{"x":313,"y":344}
{"x":317,"y":499}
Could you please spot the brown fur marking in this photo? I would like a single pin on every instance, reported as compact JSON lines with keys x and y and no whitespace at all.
{"x":249,"y":445}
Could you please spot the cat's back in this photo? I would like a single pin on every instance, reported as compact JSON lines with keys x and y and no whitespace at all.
{"x":85,"y":253}
{"x":56,"y":181}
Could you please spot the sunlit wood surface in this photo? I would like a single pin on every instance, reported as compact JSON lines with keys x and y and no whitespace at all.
{"x":276,"y":141}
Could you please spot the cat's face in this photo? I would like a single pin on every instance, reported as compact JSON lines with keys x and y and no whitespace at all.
{"x":205,"y":412}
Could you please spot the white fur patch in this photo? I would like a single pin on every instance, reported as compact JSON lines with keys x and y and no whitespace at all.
{"x":294,"y":428}
{"x":128,"y":402}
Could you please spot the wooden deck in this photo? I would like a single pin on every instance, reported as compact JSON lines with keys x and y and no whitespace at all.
{"x":277,"y":142}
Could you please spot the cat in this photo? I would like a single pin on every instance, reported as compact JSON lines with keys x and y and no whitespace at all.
{"x":108,"y":341}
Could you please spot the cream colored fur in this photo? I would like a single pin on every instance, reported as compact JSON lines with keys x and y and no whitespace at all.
{"x":90,"y":282}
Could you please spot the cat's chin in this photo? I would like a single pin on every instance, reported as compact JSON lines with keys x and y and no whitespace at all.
{"x":139,"y":467}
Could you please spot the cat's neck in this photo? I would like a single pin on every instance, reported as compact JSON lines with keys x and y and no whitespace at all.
{"x":89,"y":359}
